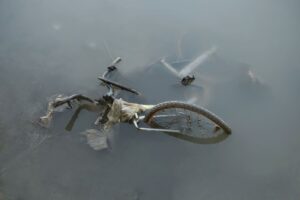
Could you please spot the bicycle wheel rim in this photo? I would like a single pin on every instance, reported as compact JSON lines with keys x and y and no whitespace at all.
{"x":216,"y":130}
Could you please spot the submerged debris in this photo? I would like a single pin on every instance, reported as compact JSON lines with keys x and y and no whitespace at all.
{"x":96,"y":139}
{"x":123,"y":111}
{"x":45,"y":120}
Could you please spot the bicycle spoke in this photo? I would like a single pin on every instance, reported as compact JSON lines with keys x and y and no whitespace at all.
{"x":188,"y":122}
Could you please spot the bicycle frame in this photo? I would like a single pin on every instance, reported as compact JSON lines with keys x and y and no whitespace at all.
{"x":111,"y":93}
{"x":106,"y":101}
{"x":140,"y":118}
{"x":109,"y":84}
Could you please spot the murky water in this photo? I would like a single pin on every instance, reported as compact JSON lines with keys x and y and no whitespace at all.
{"x":54,"y":47}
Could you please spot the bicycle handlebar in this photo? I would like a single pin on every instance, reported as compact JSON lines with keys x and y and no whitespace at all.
{"x":110,"y":83}
{"x":122,"y":87}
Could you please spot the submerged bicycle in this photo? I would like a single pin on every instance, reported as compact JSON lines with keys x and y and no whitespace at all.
{"x":179,"y":119}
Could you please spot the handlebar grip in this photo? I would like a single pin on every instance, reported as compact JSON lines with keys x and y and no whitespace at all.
{"x":112,"y":67}
{"x":116,"y":61}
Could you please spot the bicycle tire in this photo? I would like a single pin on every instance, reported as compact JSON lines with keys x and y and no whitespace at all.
{"x":192,"y":108}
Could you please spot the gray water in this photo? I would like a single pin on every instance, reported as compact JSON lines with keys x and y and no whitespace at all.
{"x":58,"y":46}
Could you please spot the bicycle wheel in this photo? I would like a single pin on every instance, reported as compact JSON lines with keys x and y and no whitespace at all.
{"x":195,"y":124}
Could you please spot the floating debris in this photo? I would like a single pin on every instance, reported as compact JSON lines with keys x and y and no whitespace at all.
{"x":96,"y":139}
